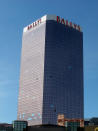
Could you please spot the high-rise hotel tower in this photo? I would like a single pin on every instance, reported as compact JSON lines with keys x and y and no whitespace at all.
{"x":51,"y":75}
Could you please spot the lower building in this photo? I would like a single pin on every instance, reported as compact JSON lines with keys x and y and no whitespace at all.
{"x":94,"y":120}
{"x":91,"y":122}
{"x":20,"y":125}
{"x":86,"y":122}
{"x":69,"y":125}
{"x":6,"y":127}
{"x":47,"y":128}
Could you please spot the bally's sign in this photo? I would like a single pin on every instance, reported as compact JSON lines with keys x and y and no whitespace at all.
{"x":67,"y":23}
{"x":55,"y":18}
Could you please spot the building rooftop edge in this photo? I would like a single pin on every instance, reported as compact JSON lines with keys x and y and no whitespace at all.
{"x":51,"y":17}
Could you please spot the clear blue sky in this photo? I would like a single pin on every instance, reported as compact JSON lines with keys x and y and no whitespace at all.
{"x":14,"y":15}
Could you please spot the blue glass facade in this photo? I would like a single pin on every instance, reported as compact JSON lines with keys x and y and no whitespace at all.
{"x":63,"y":73}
